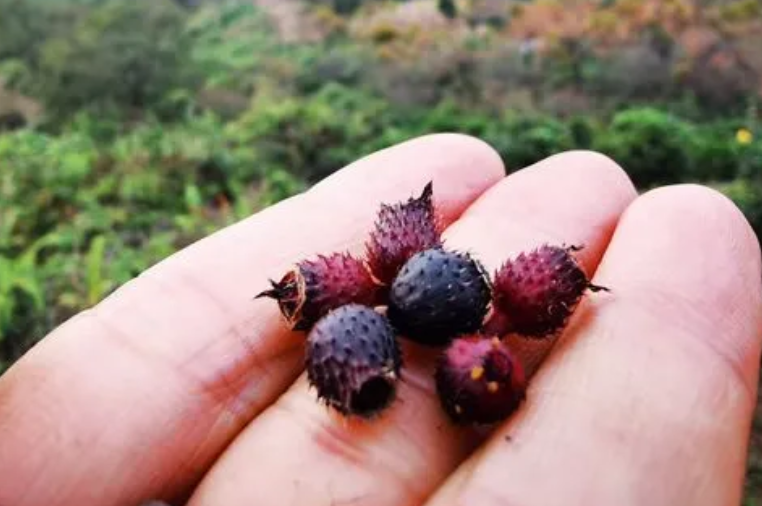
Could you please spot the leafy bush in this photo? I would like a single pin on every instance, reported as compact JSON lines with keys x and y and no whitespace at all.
{"x":448,"y":8}
{"x":344,"y":64}
{"x":747,"y":195}
{"x":653,"y":146}
{"x":314,"y":136}
{"x":231,"y":43}
{"x":523,"y":141}
{"x":109,"y":58}
{"x":716,"y":154}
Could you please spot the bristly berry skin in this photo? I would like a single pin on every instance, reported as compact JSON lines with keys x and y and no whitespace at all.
{"x":479,"y":380}
{"x":353,"y":360}
{"x":402,"y":230}
{"x":535,"y":294}
{"x":438,"y":295}
{"x":314,"y":287}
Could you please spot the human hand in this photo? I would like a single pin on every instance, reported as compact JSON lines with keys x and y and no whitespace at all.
{"x":179,"y":386}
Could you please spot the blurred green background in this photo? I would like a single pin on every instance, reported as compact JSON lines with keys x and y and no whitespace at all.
{"x":129,"y":129}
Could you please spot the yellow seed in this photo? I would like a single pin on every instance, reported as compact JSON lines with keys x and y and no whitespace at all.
{"x":477,"y":372}
{"x":492,"y":386}
{"x":495,"y":342}
{"x":458,"y":409}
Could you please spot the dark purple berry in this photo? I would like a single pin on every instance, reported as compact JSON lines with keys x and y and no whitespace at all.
{"x":479,"y":381}
{"x":353,"y":360}
{"x":438,"y":295}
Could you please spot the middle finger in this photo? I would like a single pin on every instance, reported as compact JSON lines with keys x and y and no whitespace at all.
{"x":298,"y":452}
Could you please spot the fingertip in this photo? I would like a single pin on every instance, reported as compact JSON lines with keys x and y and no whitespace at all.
{"x":590,"y":167}
{"x":485,"y":154}
{"x":551,"y":201}
{"x":450,"y":150}
{"x":686,"y":254}
{"x":709,"y":213}
{"x":468,"y":165}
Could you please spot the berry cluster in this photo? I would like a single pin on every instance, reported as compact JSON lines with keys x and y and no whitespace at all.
{"x":410,"y":284}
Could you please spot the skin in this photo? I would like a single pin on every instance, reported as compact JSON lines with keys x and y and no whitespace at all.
{"x":181,"y":387}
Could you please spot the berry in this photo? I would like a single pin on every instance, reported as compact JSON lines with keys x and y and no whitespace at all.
{"x":312,"y":288}
{"x":437,"y":295}
{"x":536,"y":293}
{"x":353,"y":360}
{"x":401,"y":231}
{"x":479,"y":380}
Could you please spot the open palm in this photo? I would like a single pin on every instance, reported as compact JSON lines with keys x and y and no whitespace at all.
{"x":182,"y":387}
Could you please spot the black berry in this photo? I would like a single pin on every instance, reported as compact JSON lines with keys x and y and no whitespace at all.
{"x":438,"y":295}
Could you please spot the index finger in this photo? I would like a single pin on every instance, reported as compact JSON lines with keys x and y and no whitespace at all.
{"x":136,"y":397}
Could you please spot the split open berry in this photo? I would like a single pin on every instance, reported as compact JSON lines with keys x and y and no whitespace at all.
{"x":536,"y":293}
{"x":353,"y":361}
{"x":479,"y":380}
{"x":313,"y":287}
{"x":438,"y":295}
{"x":402,"y":230}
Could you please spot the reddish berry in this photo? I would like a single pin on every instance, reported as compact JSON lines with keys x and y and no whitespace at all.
{"x":479,"y":381}
{"x":314,"y":287}
{"x":536,"y":293}
{"x":353,"y":360}
{"x":401,"y":231}
{"x":438,"y":295}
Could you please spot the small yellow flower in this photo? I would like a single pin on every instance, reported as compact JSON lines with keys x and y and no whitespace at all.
{"x":744,"y":136}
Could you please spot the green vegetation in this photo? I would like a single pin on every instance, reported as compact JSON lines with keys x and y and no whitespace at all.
{"x":448,"y":8}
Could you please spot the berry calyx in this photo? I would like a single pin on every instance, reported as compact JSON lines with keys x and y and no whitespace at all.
{"x":313,"y":287}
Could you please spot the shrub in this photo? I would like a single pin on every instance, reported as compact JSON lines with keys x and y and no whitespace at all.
{"x":344,"y":64}
{"x":522,"y":141}
{"x":315,"y":136}
{"x":121,"y":56}
{"x":747,"y":195}
{"x":716,"y":154}
{"x":583,"y":131}
{"x":448,"y":8}
{"x":652,"y":146}
{"x":231,"y":43}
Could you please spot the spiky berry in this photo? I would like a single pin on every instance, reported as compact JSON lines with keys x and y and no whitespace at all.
{"x":313,"y":287}
{"x":479,"y":380}
{"x":402,"y":230}
{"x":437,"y":295}
{"x":536,"y":293}
{"x":353,"y":360}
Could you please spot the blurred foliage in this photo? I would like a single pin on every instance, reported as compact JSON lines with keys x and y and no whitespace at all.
{"x":448,"y":8}
{"x":654,"y":145}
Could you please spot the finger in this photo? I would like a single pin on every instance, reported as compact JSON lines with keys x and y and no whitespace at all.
{"x":297,"y":452}
{"x":135,"y":398}
{"x":649,"y":400}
